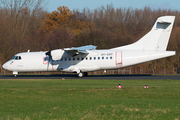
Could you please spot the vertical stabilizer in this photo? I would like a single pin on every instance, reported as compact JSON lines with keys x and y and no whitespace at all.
{"x":156,"y":39}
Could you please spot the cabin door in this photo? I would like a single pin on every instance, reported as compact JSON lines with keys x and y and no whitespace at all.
{"x":118,"y":58}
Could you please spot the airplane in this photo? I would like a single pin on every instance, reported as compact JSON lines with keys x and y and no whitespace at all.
{"x":82,"y":60}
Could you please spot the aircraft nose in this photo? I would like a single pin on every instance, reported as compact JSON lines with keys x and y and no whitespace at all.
{"x":5,"y":66}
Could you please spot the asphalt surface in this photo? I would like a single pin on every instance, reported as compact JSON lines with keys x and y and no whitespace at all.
{"x":95,"y":77}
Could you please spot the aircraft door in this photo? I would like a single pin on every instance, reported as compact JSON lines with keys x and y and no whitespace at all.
{"x":118,"y":58}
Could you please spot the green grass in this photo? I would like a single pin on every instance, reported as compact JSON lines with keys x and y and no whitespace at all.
{"x":89,"y":99}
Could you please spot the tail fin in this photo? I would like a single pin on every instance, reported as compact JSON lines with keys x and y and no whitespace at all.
{"x":156,"y":39}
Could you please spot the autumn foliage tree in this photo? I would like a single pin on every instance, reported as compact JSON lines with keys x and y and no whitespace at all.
{"x":64,"y":18}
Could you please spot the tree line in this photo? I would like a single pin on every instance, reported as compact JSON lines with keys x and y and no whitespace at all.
{"x":26,"y":25}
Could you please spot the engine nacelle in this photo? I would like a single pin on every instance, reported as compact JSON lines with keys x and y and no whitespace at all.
{"x":57,"y":54}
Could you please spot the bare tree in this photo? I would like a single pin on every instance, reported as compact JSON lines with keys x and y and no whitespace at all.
{"x":18,"y":18}
{"x":22,"y":12}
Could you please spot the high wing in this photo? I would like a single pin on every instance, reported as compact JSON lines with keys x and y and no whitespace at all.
{"x":79,"y":50}
{"x":69,"y":52}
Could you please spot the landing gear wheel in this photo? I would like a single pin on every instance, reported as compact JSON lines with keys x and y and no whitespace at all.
{"x":81,"y":74}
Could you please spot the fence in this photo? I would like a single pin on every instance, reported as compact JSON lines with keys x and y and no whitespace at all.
{"x":140,"y":71}
{"x":116,"y":71}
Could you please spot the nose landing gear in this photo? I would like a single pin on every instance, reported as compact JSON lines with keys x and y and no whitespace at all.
{"x":15,"y":74}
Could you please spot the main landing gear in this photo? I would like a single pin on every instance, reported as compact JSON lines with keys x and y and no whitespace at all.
{"x":83,"y":74}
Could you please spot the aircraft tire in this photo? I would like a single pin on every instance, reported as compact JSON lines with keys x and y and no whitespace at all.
{"x":81,"y":74}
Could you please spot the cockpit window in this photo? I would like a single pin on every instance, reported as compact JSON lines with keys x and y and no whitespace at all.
{"x":13,"y":57}
{"x":16,"y":58}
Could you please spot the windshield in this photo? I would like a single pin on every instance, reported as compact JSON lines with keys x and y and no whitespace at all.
{"x":16,"y":58}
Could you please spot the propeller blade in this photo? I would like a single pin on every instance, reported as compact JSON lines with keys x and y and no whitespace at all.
{"x":49,"y":54}
{"x":50,"y":45}
{"x":48,"y":65}
{"x":58,"y":43}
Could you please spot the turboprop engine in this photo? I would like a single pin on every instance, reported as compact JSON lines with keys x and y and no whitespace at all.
{"x":55,"y":54}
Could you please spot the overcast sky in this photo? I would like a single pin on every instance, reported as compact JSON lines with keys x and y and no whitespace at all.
{"x":93,"y":4}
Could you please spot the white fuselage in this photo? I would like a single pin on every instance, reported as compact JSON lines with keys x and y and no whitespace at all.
{"x":95,"y":60}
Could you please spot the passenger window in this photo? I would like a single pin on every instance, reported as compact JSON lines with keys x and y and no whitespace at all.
{"x":82,"y":58}
{"x":65,"y":59}
{"x":86,"y":58}
{"x":90,"y":58}
{"x":94,"y":58}
{"x":61,"y":59}
{"x":110,"y":57}
{"x":102,"y":58}
{"x":98,"y":58}
{"x":77,"y":58}
{"x":106,"y":57}
{"x":73,"y":58}
{"x":69,"y":59}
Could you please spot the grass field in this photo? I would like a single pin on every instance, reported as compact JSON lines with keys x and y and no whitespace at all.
{"x":89,"y":99}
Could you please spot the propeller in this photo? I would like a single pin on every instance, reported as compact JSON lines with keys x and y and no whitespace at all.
{"x":49,"y":54}
{"x":58,"y":43}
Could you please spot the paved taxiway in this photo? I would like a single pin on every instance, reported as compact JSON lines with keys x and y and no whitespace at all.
{"x":110,"y":77}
